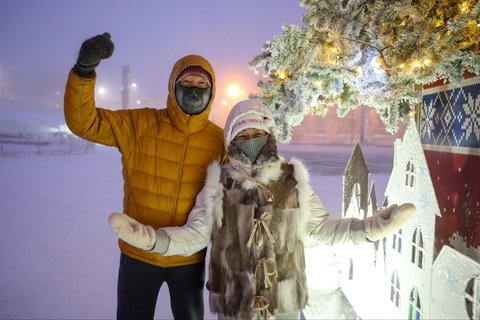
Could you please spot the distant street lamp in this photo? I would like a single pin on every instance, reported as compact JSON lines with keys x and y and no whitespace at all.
{"x":234,"y":91}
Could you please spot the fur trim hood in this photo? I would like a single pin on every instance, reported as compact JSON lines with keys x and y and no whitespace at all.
{"x":268,"y":155}
{"x":244,"y":108}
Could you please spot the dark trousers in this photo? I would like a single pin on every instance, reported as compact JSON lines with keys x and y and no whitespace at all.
{"x":140,"y":282}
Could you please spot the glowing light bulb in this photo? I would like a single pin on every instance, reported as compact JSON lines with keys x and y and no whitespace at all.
{"x":282,"y":75}
{"x":358,"y":70}
{"x":427,"y":62}
{"x":376,"y":66}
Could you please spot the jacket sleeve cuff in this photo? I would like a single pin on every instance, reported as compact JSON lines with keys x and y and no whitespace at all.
{"x":86,"y":73}
{"x":357,"y":232}
{"x":161,"y":243}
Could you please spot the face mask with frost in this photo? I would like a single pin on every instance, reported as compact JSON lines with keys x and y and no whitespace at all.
{"x":252,"y":147}
{"x":192,"y":100}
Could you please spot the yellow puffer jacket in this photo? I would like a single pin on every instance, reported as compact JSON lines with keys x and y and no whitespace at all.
{"x":165,"y":154}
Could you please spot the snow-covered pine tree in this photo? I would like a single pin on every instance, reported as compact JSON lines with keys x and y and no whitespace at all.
{"x":366,"y":52}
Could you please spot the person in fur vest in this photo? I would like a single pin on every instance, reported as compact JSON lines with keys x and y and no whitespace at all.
{"x":259,"y":211}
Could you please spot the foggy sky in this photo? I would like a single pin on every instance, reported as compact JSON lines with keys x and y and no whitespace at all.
{"x":40,"y":41}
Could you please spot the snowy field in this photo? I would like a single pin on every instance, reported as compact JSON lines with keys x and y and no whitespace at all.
{"x":59,"y":258}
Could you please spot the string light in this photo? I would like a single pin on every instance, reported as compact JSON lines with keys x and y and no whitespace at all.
{"x":406,"y":53}
{"x":376,"y":66}
{"x":416,"y":64}
{"x":321,"y":109}
{"x":358,"y":71}
{"x":282,"y":75}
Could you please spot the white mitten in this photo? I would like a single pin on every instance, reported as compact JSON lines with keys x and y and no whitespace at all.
{"x":131,"y":231}
{"x":387,"y":221}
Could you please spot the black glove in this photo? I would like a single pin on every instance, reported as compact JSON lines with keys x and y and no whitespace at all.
{"x":92,"y":51}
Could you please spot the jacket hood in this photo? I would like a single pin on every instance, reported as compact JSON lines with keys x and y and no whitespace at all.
{"x":243,"y":108}
{"x":177,"y":116}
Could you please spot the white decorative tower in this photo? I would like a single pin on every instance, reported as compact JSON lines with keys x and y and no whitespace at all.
{"x":400,"y":277}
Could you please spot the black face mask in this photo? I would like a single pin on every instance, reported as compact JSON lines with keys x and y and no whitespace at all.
{"x":192,"y":100}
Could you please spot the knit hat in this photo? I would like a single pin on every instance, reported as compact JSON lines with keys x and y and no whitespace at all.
{"x":248,"y":114}
{"x":250,"y":120}
{"x":195,"y":70}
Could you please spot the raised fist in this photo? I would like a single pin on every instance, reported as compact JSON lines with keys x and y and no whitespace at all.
{"x":93,"y":50}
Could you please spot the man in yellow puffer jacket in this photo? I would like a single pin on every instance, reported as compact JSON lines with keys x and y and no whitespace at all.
{"x":165,"y":153}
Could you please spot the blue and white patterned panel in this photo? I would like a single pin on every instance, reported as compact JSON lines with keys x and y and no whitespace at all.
{"x":450,"y":115}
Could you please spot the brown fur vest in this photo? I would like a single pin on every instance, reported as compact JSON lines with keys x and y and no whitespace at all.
{"x":257,"y":262}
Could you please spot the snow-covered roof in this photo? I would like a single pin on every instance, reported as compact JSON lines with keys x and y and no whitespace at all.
{"x":410,"y":149}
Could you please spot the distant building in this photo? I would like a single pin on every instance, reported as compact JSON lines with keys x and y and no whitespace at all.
{"x":360,"y":125}
{"x":28,"y":117}
{"x":28,"y":128}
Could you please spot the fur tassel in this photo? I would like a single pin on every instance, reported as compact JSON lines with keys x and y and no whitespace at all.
{"x":302,"y":177}
{"x":266,"y":175}
{"x":214,"y":196}
{"x":287,"y":290}
{"x":270,"y":173}
{"x":213,"y":174}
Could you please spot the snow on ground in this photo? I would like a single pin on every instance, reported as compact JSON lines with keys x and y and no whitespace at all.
{"x":59,"y":258}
